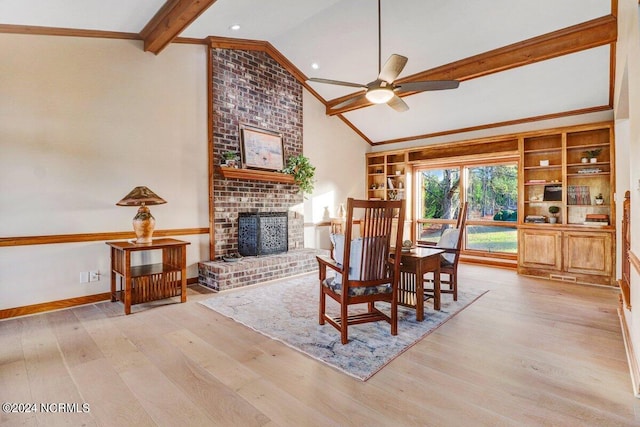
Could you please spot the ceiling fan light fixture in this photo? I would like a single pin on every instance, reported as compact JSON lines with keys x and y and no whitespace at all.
{"x":379,"y":95}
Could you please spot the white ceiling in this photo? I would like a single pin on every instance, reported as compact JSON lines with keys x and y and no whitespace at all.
{"x":341,"y":36}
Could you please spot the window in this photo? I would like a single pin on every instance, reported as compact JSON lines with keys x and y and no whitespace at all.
{"x":491,"y":191}
{"x":438,"y":201}
{"x":492,"y":194}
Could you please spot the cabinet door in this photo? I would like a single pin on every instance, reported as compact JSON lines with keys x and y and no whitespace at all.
{"x":540,"y":249}
{"x":588,"y":253}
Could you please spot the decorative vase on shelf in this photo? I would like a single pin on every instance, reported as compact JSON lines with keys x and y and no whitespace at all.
{"x":584,"y":160}
{"x":341,"y":211}
{"x":593,"y":160}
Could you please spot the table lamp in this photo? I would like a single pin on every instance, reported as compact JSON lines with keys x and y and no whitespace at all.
{"x":143,"y":222}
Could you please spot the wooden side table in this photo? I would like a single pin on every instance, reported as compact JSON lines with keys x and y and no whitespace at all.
{"x":149,"y":282}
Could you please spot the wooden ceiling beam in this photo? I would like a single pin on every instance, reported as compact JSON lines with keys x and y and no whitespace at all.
{"x":172,"y":18}
{"x":587,"y":35}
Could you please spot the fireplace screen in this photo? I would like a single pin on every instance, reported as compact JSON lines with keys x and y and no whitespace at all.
{"x":262,"y":233}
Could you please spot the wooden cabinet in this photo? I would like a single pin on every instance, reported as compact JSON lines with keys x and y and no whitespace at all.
{"x":589,"y":253}
{"x":388,"y":176}
{"x":571,"y":169}
{"x":540,"y":249}
{"x":567,"y":254}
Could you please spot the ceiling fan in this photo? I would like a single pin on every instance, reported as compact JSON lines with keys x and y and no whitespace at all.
{"x":383,"y":89}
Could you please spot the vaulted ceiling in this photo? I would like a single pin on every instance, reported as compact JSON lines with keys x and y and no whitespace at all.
{"x":517,"y":60}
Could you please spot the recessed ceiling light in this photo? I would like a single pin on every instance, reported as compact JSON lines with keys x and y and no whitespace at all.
{"x":315,"y":66}
{"x":235,"y":27}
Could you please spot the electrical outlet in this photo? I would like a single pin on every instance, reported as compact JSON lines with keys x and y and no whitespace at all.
{"x":94,"y":276}
{"x":84,"y":277}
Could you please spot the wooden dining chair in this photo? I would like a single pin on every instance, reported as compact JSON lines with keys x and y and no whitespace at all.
{"x":363,"y":269}
{"x":451,"y":243}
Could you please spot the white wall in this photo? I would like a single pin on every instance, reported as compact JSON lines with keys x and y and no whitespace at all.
{"x":82,"y":122}
{"x":627,"y":101}
{"x":338,"y":154}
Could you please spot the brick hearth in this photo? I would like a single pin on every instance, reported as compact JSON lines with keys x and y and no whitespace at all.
{"x":220,"y":275}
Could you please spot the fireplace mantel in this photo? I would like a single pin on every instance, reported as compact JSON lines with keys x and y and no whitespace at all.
{"x":255,"y":175}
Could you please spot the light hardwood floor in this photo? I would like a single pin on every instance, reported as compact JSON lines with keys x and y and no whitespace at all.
{"x":529,"y":352}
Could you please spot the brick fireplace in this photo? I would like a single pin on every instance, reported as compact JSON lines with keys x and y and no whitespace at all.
{"x":251,"y":88}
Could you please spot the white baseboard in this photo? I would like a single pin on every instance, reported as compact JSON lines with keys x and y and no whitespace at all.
{"x":631,"y":358}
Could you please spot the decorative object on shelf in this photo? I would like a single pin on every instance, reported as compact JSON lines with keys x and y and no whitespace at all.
{"x":143,"y":222}
{"x":552,"y":193}
{"x":553,"y":210}
{"x":302,"y":171}
{"x":261,"y":148}
{"x":578,"y":195}
{"x":592,"y":155}
{"x":342,"y":213}
{"x":584,"y":160}
{"x":535,"y":219}
{"x":590,"y":170}
{"x":599,"y":199}
{"x":598,"y":220}
{"x":544,"y":162}
{"x":407,"y":245}
{"x":230,"y":159}
{"x":390,"y":184}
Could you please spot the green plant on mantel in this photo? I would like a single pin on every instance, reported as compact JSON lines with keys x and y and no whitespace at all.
{"x":303,"y":172}
{"x":230,"y":155}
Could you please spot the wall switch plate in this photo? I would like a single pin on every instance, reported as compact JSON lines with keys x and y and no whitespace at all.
{"x":84,"y":277}
{"x":94,"y":276}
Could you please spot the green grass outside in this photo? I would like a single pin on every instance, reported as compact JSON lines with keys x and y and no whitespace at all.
{"x":492,"y":239}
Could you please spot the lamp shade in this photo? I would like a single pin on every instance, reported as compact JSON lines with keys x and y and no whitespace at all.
{"x":143,"y":223}
{"x":379,"y":95}
{"x":141,"y":196}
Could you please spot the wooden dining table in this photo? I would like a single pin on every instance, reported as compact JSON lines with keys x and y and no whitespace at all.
{"x":415,"y":263}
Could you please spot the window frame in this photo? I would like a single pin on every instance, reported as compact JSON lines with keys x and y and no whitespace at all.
{"x":463,"y":165}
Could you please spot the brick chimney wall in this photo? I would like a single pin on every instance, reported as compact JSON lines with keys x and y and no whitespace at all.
{"x":250,"y":88}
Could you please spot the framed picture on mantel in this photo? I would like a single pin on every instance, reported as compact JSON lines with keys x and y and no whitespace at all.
{"x":261,"y":149}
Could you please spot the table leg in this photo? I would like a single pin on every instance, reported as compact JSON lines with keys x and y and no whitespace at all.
{"x":128,"y":283}
{"x":183,"y":273}
{"x":419,"y":292}
{"x":436,"y":287}
{"x":114,"y":254}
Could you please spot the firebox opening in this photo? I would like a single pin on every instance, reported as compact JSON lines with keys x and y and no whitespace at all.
{"x":262,"y":233}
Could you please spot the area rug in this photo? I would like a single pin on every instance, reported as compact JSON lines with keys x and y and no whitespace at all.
{"x":287,"y":310}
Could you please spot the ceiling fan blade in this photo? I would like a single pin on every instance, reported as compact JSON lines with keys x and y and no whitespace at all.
{"x":336,"y":82}
{"x":349,"y":101}
{"x":427,"y":85}
{"x":398,"y":104}
{"x":392,"y":68}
